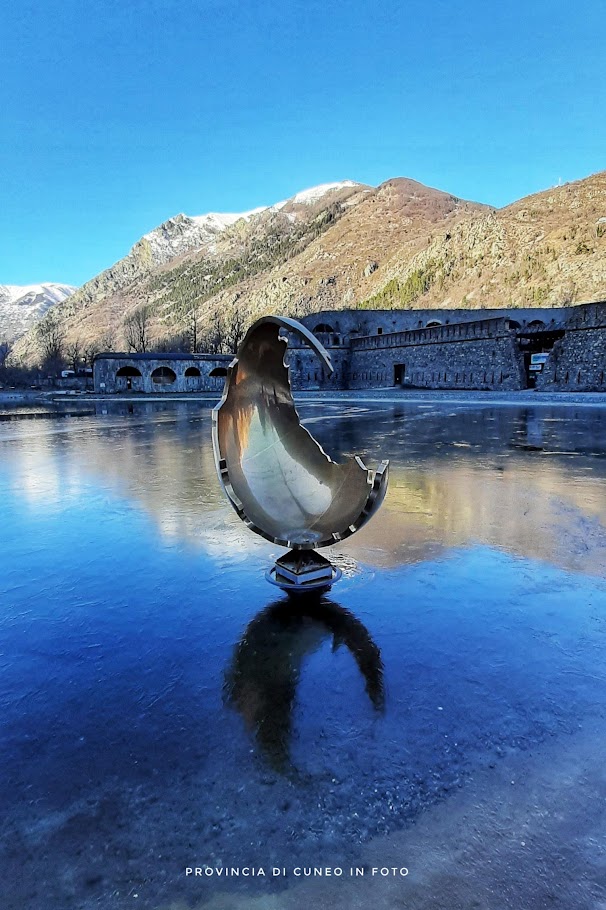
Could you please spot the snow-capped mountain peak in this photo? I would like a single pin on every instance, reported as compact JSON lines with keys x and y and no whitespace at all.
{"x":315,"y":193}
{"x":23,"y":294}
{"x":184,"y":233}
{"x":23,"y":305}
{"x":219,"y":221}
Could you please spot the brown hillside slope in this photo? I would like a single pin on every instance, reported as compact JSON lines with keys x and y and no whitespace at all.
{"x":402,"y":245}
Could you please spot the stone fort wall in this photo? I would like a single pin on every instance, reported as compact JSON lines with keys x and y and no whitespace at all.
{"x":345,"y":325}
{"x":307,"y":371}
{"x":577,"y":362}
{"x":155,"y":372}
{"x":475,"y":355}
{"x":446,"y":349}
{"x":434,"y":349}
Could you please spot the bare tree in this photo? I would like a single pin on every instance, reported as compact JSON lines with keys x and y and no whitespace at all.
{"x":50,"y":334}
{"x":234,"y":330}
{"x":136,"y":329}
{"x":172,"y":344}
{"x":73,"y":354}
{"x":90,"y":351}
{"x":193,"y":330}
{"x":104,"y":343}
{"x":212,"y":336}
{"x":5,"y":350}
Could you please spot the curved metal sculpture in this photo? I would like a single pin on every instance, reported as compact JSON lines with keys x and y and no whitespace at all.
{"x":277,"y":477}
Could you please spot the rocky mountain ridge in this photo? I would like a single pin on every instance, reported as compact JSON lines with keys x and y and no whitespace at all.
{"x":401,"y":244}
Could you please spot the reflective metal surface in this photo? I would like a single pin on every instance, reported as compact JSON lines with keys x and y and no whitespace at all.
{"x":277,"y":477}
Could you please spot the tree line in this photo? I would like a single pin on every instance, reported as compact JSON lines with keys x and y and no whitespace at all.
{"x":219,"y":333}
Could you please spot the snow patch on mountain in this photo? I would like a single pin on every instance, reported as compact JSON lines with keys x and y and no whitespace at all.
{"x":23,"y":294}
{"x":184,"y":233}
{"x":218,"y":221}
{"x":315,"y":193}
{"x":23,"y":305}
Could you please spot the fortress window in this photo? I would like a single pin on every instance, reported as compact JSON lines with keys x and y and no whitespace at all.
{"x":323,"y":329}
{"x":192,"y":371}
{"x":218,"y":371}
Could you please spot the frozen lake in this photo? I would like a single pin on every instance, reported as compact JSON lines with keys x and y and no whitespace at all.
{"x":443,"y":709}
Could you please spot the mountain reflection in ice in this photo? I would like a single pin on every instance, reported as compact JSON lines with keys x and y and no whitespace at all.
{"x":159,"y":708}
{"x":509,"y":477}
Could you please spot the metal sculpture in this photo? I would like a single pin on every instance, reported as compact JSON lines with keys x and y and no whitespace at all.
{"x":276,"y":476}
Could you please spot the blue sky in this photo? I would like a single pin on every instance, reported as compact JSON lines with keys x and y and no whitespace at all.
{"x":115,"y":116}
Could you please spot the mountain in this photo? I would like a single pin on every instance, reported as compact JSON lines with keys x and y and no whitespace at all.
{"x":23,"y":305}
{"x":400,"y":244}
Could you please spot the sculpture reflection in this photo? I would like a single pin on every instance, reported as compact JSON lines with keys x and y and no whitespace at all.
{"x":261,"y":682}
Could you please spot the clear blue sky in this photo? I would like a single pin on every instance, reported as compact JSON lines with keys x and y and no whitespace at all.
{"x":115,"y":115}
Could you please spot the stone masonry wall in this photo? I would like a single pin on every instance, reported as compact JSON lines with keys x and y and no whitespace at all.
{"x":478,"y":355}
{"x":307,"y":371}
{"x":382,"y":349}
{"x":105,"y":370}
{"x":577,"y":362}
{"x":349,"y":324}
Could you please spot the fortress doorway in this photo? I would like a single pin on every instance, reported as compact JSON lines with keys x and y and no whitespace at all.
{"x":536,"y":340}
{"x":127,"y":379}
{"x":399,"y":371}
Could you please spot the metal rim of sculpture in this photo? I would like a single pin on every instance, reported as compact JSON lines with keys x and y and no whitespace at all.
{"x":376,"y":480}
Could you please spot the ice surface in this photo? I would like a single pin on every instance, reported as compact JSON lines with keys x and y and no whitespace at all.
{"x":160,"y":705}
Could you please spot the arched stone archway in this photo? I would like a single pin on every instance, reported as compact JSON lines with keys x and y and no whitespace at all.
{"x":129,"y":378}
{"x":323,"y":329}
{"x":217,"y":377}
{"x":163,"y":376}
{"x":193,"y":379}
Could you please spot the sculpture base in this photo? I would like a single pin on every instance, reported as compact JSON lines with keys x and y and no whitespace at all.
{"x":303,"y":571}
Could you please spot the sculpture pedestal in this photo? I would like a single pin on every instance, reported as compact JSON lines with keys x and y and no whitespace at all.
{"x":302,"y":571}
